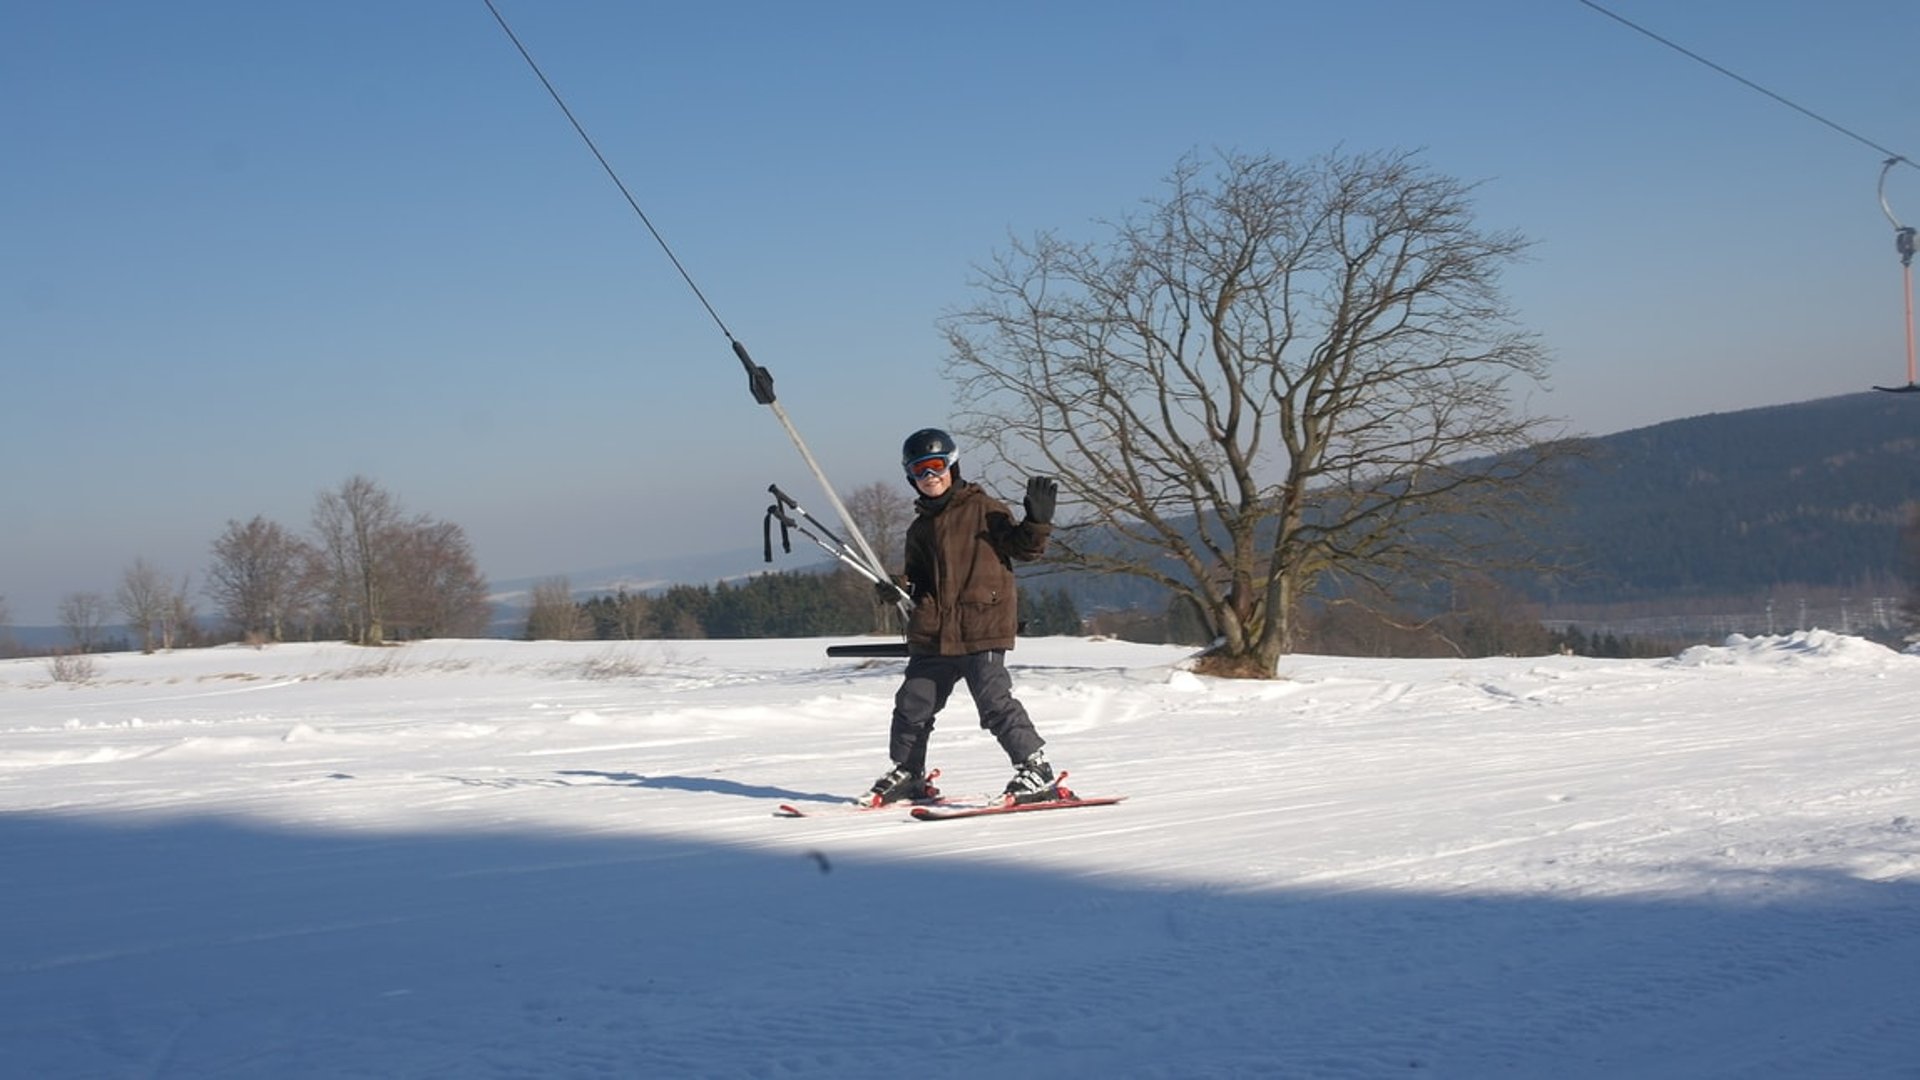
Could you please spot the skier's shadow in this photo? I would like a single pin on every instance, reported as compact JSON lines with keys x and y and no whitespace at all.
{"x":708,"y":784}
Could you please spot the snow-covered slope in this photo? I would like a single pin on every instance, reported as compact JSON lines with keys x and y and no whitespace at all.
{"x":493,"y":859}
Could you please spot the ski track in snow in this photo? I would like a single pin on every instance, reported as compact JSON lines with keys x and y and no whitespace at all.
{"x":499,"y":859}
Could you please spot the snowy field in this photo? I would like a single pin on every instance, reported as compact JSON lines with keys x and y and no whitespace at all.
{"x":477,"y":859}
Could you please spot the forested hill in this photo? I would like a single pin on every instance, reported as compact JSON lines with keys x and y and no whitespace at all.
{"x":1814,"y":493}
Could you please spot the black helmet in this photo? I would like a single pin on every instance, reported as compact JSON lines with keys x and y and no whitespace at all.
{"x":928,"y":443}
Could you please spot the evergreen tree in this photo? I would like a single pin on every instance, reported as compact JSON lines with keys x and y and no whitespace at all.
{"x":1049,"y":612}
{"x":681,"y":612}
{"x":1910,"y":562}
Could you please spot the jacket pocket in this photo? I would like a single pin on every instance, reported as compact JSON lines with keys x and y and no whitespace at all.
{"x":923,"y":622}
{"x":981,"y":614}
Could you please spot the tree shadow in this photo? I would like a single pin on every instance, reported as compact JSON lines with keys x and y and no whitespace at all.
{"x":204,"y":947}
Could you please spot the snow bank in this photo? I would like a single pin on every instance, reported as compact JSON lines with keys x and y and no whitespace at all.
{"x":1818,"y":648}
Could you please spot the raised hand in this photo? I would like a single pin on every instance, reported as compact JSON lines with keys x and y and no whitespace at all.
{"x":1042,"y":493}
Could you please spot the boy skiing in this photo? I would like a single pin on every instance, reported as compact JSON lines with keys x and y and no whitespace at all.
{"x":959,"y":575}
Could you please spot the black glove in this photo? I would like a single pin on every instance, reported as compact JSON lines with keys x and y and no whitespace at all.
{"x":886,"y":592}
{"x":1042,"y":491}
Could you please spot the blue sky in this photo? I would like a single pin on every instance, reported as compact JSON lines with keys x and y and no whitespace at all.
{"x":254,"y":249}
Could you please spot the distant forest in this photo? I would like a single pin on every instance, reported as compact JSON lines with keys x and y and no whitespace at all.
{"x":786,"y":604}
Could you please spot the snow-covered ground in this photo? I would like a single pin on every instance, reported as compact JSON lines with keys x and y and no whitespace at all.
{"x":481,"y":859}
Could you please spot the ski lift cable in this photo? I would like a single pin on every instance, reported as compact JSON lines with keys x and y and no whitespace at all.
{"x":759,"y":379}
{"x":1903,"y":234}
{"x":1893,"y":157}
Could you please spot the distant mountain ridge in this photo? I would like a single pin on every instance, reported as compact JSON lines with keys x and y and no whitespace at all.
{"x":1814,"y":493}
{"x":511,"y":598}
{"x":645,"y":575}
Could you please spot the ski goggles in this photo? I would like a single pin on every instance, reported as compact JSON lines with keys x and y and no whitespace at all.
{"x":937,"y":465}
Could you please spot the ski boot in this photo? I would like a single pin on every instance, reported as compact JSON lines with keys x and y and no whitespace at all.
{"x":901,"y":783}
{"x":1032,"y":782}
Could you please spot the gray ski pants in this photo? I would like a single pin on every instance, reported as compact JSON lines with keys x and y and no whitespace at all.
{"x":929,"y":682}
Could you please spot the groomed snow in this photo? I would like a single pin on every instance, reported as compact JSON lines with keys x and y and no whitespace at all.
{"x":485,"y":859}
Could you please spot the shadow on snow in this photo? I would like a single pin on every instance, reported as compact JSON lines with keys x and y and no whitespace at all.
{"x":211,"y":947}
{"x":706,"y":784}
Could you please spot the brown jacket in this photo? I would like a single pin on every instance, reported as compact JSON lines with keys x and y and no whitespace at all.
{"x":960,"y":572}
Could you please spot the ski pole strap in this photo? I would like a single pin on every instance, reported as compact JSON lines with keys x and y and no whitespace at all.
{"x":809,"y":528}
{"x":766,"y":532}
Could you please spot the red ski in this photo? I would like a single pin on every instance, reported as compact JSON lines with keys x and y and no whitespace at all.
{"x":826,"y":809}
{"x":950,"y":813}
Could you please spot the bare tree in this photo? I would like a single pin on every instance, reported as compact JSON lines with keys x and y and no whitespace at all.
{"x":354,"y":524}
{"x":144,"y":597}
{"x":1279,"y":374}
{"x":258,"y":578}
{"x":633,"y":615}
{"x":882,"y":512}
{"x":176,"y":617}
{"x":83,"y":614}
{"x":554,"y":614}
{"x":316,"y":617}
{"x":438,"y":590}
{"x":622,"y":616}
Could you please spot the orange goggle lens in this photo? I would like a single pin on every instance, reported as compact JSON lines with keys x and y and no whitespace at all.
{"x":929,"y":466}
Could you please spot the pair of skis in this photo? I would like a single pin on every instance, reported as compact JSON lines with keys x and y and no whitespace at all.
{"x":940,"y":809}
